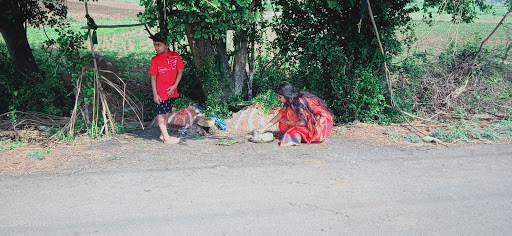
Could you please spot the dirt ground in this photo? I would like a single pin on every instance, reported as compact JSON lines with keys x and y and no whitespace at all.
{"x":83,"y":148}
{"x":104,"y":10}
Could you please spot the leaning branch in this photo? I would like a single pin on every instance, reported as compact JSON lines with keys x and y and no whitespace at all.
{"x":488,"y":37}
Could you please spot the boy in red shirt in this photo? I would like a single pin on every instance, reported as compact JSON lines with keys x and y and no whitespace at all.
{"x":166,"y":71}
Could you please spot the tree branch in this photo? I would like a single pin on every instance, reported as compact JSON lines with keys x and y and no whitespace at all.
{"x":485,"y":40}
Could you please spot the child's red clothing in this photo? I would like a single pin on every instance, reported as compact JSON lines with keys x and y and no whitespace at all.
{"x":165,"y":67}
{"x":294,"y":135}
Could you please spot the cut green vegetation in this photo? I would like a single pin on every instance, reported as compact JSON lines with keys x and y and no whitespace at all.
{"x":38,"y":154}
{"x":228,"y":142}
{"x":10,"y":145}
{"x":467,"y":132}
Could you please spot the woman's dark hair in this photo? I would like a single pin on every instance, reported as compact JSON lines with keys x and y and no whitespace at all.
{"x":297,"y":101}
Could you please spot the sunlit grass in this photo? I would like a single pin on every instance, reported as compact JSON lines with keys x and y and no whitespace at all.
{"x":37,"y":36}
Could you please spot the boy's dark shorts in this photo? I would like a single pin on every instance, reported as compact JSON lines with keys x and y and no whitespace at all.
{"x":164,"y":106}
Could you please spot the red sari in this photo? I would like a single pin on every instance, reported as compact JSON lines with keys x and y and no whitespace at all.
{"x":294,"y":135}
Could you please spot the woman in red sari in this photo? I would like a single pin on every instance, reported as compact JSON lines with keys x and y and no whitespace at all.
{"x":303,"y":118}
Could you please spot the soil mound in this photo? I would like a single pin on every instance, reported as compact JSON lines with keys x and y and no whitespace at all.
{"x":250,"y":118}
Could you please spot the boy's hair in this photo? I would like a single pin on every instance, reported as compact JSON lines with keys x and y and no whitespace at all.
{"x":158,"y":38}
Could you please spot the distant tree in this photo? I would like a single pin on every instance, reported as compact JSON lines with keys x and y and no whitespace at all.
{"x":18,"y":15}
{"x":462,"y":11}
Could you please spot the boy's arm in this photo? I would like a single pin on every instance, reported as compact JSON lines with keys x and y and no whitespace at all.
{"x":156,"y":98}
{"x":171,"y":89}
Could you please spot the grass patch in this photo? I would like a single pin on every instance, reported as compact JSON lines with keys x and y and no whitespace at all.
{"x":10,"y":145}
{"x":464,"y":131}
{"x":504,"y":128}
{"x":392,"y":134}
{"x":38,"y":154}
{"x":37,"y":36}
{"x":413,"y":138}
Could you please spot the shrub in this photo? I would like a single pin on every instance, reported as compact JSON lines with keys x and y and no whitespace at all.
{"x":450,"y":82}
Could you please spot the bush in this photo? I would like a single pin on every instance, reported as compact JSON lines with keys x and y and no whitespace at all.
{"x":49,"y":97}
{"x":327,"y":56}
{"x":9,"y":81}
{"x":268,"y":100}
{"x":450,"y":83}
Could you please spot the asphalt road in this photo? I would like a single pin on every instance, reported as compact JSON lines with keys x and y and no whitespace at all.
{"x":339,"y":187}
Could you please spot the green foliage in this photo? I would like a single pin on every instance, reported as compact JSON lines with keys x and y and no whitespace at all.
{"x":213,"y":18}
{"x":49,"y":97}
{"x":410,"y":94}
{"x":426,"y":82}
{"x":10,"y":145}
{"x":7,"y":87}
{"x":116,"y":158}
{"x":268,"y":73}
{"x":452,"y":135}
{"x":504,"y":128}
{"x":464,"y":131}
{"x":182,"y":102}
{"x":268,"y":100}
{"x":38,"y":154}
{"x":191,"y":85}
{"x":227,"y":142}
{"x":413,"y":138}
{"x":485,"y":134}
{"x":392,"y":134}
{"x":215,"y":86}
{"x":35,"y":13}
{"x":365,"y":101}
{"x":327,"y":56}
{"x":124,"y":129}
{"x":462,"y":11}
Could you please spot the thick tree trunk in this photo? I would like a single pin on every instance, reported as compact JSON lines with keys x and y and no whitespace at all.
{"x":239,"y":74}
{"x":15,"y":37}
{"x":203,"y":56}
{"x":201,"y":48}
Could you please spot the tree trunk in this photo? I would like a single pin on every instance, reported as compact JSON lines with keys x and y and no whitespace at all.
{"x":15,"y":37}
{"x":162,"y":19}
{"x":251,"y":70}
{"x":223,"y":53}
{"x":255,"y":4}
{"x":239,"y":74}
{"x":201,"y":48}
{"x":203,"y":57}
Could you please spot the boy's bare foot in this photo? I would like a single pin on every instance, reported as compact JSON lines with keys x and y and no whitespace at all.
{"x":161,"y":138}
{"x":172,"y":140}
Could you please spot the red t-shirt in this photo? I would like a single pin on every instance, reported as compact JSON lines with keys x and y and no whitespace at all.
{"x":165,"y":67}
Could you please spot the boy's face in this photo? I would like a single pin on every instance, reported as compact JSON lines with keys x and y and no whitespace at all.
{"x":161,"y":47}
